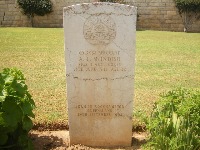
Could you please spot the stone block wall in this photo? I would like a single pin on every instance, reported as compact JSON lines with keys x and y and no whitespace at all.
{"x":152,"y":15}
{"x":159,"y":15}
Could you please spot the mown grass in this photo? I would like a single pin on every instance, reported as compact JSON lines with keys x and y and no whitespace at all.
{"x":164,"y":60}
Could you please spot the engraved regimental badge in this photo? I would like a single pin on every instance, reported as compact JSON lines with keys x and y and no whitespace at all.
{"x":99,"y":29}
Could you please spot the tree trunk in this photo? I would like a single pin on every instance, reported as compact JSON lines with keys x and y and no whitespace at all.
{"x":185,"y":22}
{"x":31,"y":18}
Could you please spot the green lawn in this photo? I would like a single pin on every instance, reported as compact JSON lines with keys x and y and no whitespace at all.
{"x":164,"y":61}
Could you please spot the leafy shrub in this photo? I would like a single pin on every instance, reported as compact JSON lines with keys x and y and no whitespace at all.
{"x":189,"y":10}
{"x":16,"y":107}
{"x":188,"y":5}
{"x":38,"y":7}
{"x":175,"y":121}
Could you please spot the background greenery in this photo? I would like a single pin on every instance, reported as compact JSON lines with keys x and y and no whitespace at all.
{"x":35,"y":7}
{"x":16,"y":107}
{"x":188,"y":5}
{"x":175,"y":122}
{"x":164,"y":61}
{"x":189,"y":11}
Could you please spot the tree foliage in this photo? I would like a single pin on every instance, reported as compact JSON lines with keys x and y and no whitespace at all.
{"x":35,"y":7}
{"x":189,"y":11}
{"x":16,"y":107}
{"x":188,"y":5}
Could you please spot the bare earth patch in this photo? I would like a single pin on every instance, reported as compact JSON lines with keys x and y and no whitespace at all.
{"x":59,"y":140}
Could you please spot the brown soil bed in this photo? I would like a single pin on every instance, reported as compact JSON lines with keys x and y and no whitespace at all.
{"x":59,"y":140}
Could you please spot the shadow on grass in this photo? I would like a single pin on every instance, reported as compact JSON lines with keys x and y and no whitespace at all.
{"x":140,"y":29}
{"x":45,"y":142}
{"x":136,"y":143}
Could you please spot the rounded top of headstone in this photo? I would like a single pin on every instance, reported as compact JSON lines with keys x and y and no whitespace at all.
{"x":97,"y":7}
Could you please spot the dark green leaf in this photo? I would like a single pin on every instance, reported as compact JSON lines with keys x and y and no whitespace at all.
{"x":2,"y":121}
{"x":3,"y":138}
{"x":2,"y":82}
{"x":19,"y":87}
{"x":30,"y":100}
{"x":12,"y":112}
{"x":30,"y":145}
{"x":27,"y":109}
{"x":27,"y":123}
{"x":23,"y":140}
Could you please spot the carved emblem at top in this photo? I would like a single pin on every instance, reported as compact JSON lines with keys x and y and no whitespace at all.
{"x":99,"y":29}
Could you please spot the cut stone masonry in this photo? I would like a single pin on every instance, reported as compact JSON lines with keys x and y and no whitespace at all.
{"x":152,"y":15}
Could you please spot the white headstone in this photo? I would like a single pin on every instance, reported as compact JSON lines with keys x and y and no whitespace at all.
{"x":100,"y":54}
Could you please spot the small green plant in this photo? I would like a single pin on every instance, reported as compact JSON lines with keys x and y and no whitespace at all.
{"x":16,"y":107}
{"x":189,"y":10}
{"x":175,"y":121}
{"x":32,"y":7}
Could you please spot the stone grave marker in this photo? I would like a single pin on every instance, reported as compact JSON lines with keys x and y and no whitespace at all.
{"x":100,"y":54}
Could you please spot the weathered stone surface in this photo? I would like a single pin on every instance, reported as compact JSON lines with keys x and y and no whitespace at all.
{"x":100,"y":54}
